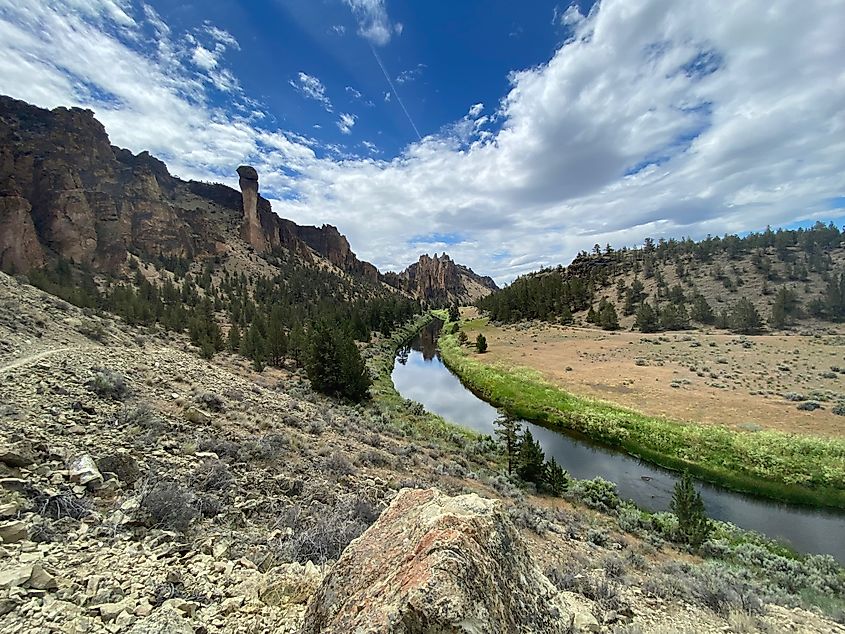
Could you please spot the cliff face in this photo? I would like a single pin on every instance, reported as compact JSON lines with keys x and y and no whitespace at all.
{"x":66,"y":191}
{"x":440,"y":281}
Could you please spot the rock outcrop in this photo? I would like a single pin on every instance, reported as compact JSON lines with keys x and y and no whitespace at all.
{"x":253,"y":233}
{"x":332,"y":245}
{"x":433,"y":564}
{"x":440,"y":281}
{"x":66,"y":191}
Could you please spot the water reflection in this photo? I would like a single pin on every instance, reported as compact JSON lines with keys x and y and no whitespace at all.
{"x":420,"y":375}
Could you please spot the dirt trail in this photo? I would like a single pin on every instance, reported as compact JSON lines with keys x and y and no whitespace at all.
{"x":34,"y":357}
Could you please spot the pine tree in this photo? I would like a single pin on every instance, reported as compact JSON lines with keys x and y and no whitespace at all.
{"x":701,"y":311}
{"x":507,"y":431}
{"x":277,"y":339}
{"x":744,"y":318}
{"x":646,"y":319}
{"x":253,"y":346}
{"x":454,"y":313}
{"x":531,"y":459}
{"x":234,"y":338}
{"x":462,"y":337}
{"x":693,"y":525}
{"x":481,"y":343}
{"x":334,"y":365}
{"x":557,"y":479}
{"x":608,"y":319}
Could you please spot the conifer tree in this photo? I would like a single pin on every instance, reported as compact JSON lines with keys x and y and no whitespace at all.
{"x":481,"y":343}
{"x":507,"y":431}
{"x":557,"y":479}
{"x":532,"y":460}
{"x":334,"y":365}
{"x":454,"y":313}
{"x":693,"y":525}
{"x":234,"y":338}
{"x":646,"y":319}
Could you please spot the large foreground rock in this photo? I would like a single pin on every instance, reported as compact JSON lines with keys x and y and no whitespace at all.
{"x":434,"y":564}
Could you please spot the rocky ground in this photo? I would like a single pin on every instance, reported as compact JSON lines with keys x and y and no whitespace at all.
{"x":145,"y":490}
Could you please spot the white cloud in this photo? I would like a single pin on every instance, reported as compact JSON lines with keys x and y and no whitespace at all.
{"x":411,"y":74}
{"x":476,"y":109}
{"x":571,"y":16}
{"x":346,"y":122}
{"x":339,"y":29}
{"x":355,"y":94}
{"x":655,"y":117}
{"x":312,"y":88}
{"x":374,"y":25}
{"x":204,"y":58}
{"x":387,"y":96}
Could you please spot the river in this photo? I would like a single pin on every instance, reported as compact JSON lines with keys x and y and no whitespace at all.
{"x":420,"y":375}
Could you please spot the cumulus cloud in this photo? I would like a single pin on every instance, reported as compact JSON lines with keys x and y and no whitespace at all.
{"x":653,"y":118}
{"x":311,"y":87}
{"x":346,"y":122}
{"x":374,"y":24}
{"x":476,"y":109}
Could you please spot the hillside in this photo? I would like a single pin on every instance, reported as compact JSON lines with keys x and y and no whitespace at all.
{"x":792,"y":279}
{"x":145,"y":489}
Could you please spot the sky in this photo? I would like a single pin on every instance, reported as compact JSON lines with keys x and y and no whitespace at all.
{"x":511,"y":135}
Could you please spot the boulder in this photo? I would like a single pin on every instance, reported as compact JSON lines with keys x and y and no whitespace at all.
{"x":19,"y":454}
{"x":433,"y":564}
{"x":83,"y":470}
{"x":13,"y":532}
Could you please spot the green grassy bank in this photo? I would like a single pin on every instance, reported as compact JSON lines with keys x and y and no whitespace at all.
{"x":412,"y":419}
{"x":786,"y":467}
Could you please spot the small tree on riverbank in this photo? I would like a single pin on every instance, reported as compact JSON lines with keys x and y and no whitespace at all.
{"x":481,"y":343}
{"x":454,"y":313}
{"x":507,"y":431}
{"x":462,"y":338}
{"x":693,"y":525}
{"x":532,"y":460}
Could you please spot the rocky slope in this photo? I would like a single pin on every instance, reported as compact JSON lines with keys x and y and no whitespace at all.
{"x":145,"y":490}
{"x":439,"y":281}
{"x":66,"y":191}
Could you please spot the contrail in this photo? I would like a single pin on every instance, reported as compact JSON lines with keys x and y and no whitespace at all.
{"x":393,"y":89}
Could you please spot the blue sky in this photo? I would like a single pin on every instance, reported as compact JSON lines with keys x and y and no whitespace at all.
{"x":511,"y":134}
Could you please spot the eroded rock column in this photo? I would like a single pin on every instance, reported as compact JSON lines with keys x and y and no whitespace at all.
{"x":252,"y":231}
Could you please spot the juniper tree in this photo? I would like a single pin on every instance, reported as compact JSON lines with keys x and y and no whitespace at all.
{"x":481,"y":343}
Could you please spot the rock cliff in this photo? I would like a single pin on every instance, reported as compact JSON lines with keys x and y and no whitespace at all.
{"x":440,"y":281}
{"x":66,"y":191}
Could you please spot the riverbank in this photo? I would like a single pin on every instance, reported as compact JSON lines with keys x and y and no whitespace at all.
{"x":784,"y":467}
{"x":409,"y":417}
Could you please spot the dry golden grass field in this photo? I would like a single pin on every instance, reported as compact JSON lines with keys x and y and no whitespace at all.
{"x":706,"y":377}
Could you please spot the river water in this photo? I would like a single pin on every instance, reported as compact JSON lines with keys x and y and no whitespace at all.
{"x":420,"y":375}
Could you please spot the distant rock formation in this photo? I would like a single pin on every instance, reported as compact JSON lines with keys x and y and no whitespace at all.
{"x":253,"y":233}
{"x":433,"y":564}
{"x":332,"y":245}
{"x":439,"y":281}
{"x":66,"y":191}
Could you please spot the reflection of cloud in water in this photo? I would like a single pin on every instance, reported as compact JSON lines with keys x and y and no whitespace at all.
{"x":421,"y":376}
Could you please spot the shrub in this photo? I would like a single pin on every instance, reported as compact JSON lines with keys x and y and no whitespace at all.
{"x":211,"y":401}
{"x":141,"y":415}
{"x":109,"y":384}
{"x":338,"y":464}
{"x":213,"y":475}
{"x":597,"y":493}
{"x":321,"y":533}
{"x":170,"y":506}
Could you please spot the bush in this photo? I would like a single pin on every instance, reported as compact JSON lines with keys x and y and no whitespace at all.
{"x":109,"y":384}
{"x":744,"y":318}
{"x":339,"y":465}
{"x":170,"y":506}
{"x":320,"y":534}
{"x":597,"y":493}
